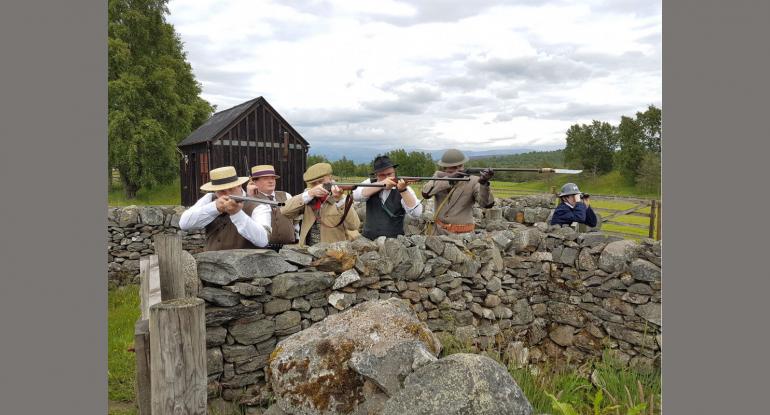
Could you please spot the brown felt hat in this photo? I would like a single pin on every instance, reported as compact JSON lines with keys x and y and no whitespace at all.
{"x":223,"y":178}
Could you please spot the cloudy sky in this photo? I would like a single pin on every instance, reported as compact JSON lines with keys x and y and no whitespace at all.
{"x":431,"y":74}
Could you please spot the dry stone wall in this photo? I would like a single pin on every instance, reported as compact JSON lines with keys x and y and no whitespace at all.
{"x":130,"y":229}
{"x":543,"y":293}
{"x":129,"y":236}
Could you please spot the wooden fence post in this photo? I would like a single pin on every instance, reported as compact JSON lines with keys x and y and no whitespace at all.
{"x":168,"y":247}
{"x":178,"y":357}
{"x":657,"y":225}
{"x":652,"y":219}
{"x":142,"y":350}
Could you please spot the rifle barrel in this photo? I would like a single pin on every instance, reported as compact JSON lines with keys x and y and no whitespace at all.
{"x":446,"y":179}
{"x":328,"y":186}
{"x":255,"y":200}
{"x":532,"y":169}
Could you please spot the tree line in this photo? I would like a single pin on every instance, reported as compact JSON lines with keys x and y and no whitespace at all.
{"x":632,"y":147}
{"x":413,"y":163}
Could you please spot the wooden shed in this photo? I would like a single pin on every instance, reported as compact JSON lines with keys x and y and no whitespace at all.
{"x":243,"y":136}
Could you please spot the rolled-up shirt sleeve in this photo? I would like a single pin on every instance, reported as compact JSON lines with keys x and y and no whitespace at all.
{"x":358,"y":195}
{"x":203,"y":212}
{"x":249,"y":228}
{"x":416,"y":211}
{"x":306,"y":198}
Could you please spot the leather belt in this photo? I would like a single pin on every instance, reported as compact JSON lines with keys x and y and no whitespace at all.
{"x":456,"y":228}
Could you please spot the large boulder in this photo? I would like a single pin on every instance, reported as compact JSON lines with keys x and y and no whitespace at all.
{"x":462,"y":383}
{"x":350,"y":360}
{"x":224,"y":267}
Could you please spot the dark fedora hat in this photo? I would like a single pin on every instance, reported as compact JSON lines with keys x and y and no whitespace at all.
{"x":381,"y":163}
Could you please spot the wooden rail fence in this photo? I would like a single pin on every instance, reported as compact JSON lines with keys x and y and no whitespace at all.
{"x":169,"y":337}
{"x":613,"y":216}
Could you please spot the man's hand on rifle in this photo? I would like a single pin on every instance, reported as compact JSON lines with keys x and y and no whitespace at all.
{"x":403,"y":184}
{"x":485,"y":175}
{"x":231,"y":206}
{"x":318,"y":191}
{"x":389,"y":183}
{"x":220,"y":203}
{"x":337,"y":192}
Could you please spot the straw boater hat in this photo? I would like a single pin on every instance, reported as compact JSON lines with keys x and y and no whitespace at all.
{"x":223,"y":178}
{"x":263,"y":170}
{"x":317,"y":171}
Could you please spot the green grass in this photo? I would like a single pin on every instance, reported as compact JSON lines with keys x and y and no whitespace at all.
{"x":166,"y":194}
{"x":619,"y":384}
{"x":123,"y":311}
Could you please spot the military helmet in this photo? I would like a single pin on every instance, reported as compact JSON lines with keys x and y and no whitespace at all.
{"x":569,"y":189}
{"x":452,"y":157}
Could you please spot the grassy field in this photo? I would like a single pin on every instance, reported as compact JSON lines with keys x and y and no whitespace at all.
{"x":167,"y":194}
{"x":122,"y":313}
{"x":609,"y":184}
{"x":620,"y":385}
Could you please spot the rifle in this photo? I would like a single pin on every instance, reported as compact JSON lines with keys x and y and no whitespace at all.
{"x":472,"y":170}
{"x":445,"y":179}
{"x":425,"y":178}
{"x":255,"y":200}
{"x":350,"y":186}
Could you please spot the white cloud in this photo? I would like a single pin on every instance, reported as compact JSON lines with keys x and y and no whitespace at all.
{"x":421,"y":75}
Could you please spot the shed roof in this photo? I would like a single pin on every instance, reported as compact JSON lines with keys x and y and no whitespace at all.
{"x":223,"y":120}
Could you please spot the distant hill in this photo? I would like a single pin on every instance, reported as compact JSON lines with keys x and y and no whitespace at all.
{"x":365,"y":155}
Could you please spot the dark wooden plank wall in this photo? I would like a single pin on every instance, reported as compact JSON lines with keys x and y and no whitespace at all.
{"x":258,"y":139}
{"x":190,"y":179}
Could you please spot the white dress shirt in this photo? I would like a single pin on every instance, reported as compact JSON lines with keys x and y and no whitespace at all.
{"x":263,"y":212}
{"x":413,"y":212}
{"x":204,"y":211}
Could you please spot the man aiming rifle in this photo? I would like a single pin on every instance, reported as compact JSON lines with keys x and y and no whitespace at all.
{"x":453,"y":213}
{"x":325,"y":210}
{"x":385,"y":213}
{"x":229,"y":224}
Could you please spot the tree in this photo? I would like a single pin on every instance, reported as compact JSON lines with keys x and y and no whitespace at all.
{"x":591,"y":146}
{"x":414,"y":163}
{"x":315,"y":158}
{"x":153,"y":97}
{"x":632,"y":149}
{"x":344,"y":167}
{"x":650,"y":122}
{"x":648,"y":178}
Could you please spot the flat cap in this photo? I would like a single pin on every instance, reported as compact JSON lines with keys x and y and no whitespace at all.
{"x":317,"y":171}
